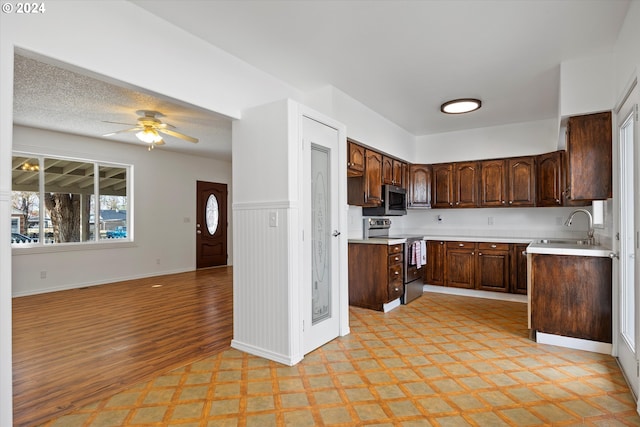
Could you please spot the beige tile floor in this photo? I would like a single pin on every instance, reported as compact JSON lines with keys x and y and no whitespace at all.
{"x":441,"y":361}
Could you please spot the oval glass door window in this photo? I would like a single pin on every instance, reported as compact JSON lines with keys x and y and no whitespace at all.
{"x":211,"y":214}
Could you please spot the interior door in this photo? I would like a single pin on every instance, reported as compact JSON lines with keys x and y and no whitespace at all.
{"x":627,"y":340}
{"x":211,"y":224}
{"x":321,"y":241}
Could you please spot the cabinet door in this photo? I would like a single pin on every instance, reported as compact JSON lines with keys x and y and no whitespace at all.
{"x":373,"y":181}
{"x":549,"y":179}
{"x":519,"y":268}
{"x":521,"y":181}
{"x":589,"y":145}
{"x":419,"y":186}
{"x":387,"y":170}
{"x":442,"y":185}
{"x":492,"y":271}
{"x":466,"y":177}
{"x":355,"y":162}
{"x":434,"y":270}
{"x":460,"y":265}
{"x":399,"y":169}
{"x":493,"y":183}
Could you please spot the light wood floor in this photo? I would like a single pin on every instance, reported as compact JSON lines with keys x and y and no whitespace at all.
{"x":75,"y":347}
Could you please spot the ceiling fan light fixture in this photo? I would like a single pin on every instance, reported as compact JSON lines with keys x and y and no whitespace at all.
{"x":149,"y":135}
{"x":460,"y":106}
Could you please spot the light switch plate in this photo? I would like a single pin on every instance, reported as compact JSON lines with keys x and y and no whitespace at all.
{"x":273,"y":219}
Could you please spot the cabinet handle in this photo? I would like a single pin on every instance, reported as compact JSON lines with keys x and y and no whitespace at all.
{"x":479,"y":254}
{"x":397,"y":259}
{"x":558,"y":201}
{"x":493,"y":246}
{"x":473,"y":253}
{"x":396,"y":273}
{"x":396,"y":289}
{"x":442,"y":243}
{"x":524,"y":253}
{"x":510,"y":202}
{"x":450,"y":203}
{"x":504,"y":203}
{"x":461,"y":245}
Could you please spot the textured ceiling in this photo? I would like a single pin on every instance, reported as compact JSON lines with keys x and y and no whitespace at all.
{"x":50,"y":97}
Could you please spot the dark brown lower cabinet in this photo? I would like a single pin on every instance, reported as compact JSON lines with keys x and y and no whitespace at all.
{"x":375,"y":274}
{"x":519,"y":268}
{"x":492,"y":267}
{"x":571,"y":296}
{"x":460,"y":271}
{"x":434,"y":270}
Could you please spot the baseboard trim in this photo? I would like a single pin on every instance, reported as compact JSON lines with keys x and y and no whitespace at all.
{"x":502,"y":296}
{"x":575,"y":343}
{"x":265,"y":354}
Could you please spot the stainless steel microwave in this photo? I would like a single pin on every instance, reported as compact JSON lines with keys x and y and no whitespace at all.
{"x":394,"y":203}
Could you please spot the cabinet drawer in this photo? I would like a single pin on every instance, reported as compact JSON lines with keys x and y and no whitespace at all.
{"x":484,"y":246}
{"x":395,"y":259}
{"x":396,"y":249}
{"x":461,"y":245}
{"x":413,"y":273}
{"x":395,"y":273}
{"x":395,"y":290}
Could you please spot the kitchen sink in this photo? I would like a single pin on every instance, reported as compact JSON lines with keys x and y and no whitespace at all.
{"x":563,"y":242}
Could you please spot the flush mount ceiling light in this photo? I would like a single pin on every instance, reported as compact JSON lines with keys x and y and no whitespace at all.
{"x":459,"y":106}
{"x":149,"y":135}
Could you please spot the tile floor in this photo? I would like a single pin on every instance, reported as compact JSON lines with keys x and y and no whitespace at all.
{"x":441,"y":361}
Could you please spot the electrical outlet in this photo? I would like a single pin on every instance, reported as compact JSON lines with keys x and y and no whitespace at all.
{"x":558,"y":220}
{"x":273,"y":219}
{"x":490,"y":220}
{"x":439,"y":219}
{"x":157,"y":261}
{"x":43,"y":274}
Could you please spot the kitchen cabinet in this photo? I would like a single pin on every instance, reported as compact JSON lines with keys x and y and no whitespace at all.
{"x":434,"y":270}
{"x":392,"y":171}
{"x":493,"y":267}
{"x":460,"y":263}
{"x":375,"y":274}
{"x":493,"y":183}
{"x":442,"y":185}
{"x":521,"y":181}
{"x":550,"y":179}
{"x":465,"y":184}
{"x":419,"y":194}
{"x":519,"y":268}
{"x":366,"y":190}
{"x":355,"y":159}
{"x":589,"y":157}
{"x":571,"y":296}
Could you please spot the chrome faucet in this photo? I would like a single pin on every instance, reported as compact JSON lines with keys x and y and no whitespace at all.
{"x":590,"y":239}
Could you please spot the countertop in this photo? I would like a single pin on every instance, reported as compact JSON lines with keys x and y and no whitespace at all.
{"x":534,"y":246}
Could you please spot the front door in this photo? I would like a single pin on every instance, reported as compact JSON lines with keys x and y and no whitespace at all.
{"x":627,"y":340}
{"x":211,"y":224}
{"x":322,"y":286}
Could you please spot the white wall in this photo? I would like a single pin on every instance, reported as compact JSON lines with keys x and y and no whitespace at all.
{"x":363,"y":124}
{"x":164,"y":215}
{"x":519,"y":139}
{"x":586,"y":85}
{"x":627,"y":50}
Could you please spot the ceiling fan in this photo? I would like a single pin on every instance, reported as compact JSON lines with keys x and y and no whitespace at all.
{"x":149,"y":128}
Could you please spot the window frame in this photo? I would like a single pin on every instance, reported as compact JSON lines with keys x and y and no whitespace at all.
{"x":96,"y":242}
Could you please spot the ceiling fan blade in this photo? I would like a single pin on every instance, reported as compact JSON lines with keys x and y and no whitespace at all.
{"x":122,"y":131}
{"x":119,"y":123}
{"x":161,"y":142}
{"x":178,"y":135}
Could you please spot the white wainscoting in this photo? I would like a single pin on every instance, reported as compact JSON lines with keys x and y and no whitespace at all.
{"x":263,"y":295}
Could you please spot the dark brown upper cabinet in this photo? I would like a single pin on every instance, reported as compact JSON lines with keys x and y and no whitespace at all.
{"x":442,"y":185}
{"x":550,"y":179}
{"x":355,"y":161}
{"x":589,"y":145}
{"x":392,"y":171}
{"x":366,"y":190}
{"x":493,"y":183}
{"x":465,"y":184}
{"x":521,"y":181}
{"x":419,"y":186}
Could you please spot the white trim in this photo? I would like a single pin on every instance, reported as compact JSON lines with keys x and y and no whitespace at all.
{"x":575,"y":343}
{"x":391,"y":305}
{"x":502,"y":296}
{"x":260,"y":352}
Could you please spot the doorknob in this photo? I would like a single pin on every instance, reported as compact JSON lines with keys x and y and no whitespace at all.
{"x":335,"y":233}
{"x":199,"y":231}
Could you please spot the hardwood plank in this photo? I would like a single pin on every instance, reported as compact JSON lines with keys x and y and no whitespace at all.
{"x":73,"y":347}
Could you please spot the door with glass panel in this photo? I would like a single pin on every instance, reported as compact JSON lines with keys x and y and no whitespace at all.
{"x":627,"y":340}
{"x":321,"y":241}
{"x":211,"y":224}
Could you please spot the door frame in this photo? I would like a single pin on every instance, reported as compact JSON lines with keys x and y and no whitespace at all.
{"x":620,"y":349}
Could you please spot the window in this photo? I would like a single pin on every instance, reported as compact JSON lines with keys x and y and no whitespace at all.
{"x":61,"y":200}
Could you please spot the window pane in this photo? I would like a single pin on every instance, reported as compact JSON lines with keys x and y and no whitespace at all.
{"x":68,"y":187}
{"x":211,"y":214}
{"x":113,"y":202}
{"x":25,"y":200}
